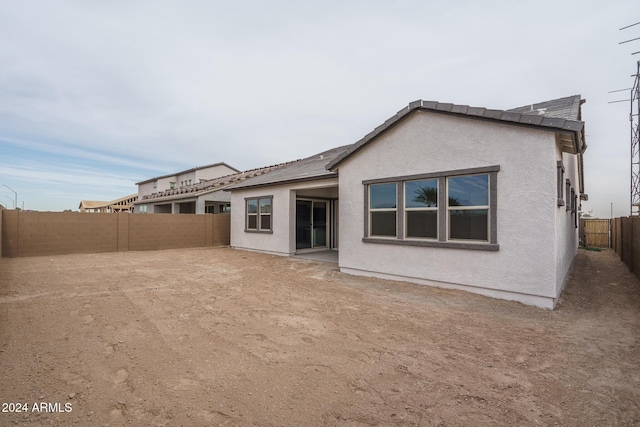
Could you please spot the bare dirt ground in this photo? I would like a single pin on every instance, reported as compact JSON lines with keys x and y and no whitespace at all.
{"x":204,"y":337}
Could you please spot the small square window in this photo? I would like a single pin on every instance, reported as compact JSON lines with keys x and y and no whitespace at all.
{"x":258,"y":213}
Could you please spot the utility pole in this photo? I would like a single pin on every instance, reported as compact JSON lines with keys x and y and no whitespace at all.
{"x":15,"y":202}
{"x":635,"y":143}
{"x":635,"y":133}
{"x":14,"y":206}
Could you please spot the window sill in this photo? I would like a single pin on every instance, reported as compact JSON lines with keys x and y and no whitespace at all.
{"x":259,"y":231}
{"x":481,"y":246}
{"x":560,"y":202}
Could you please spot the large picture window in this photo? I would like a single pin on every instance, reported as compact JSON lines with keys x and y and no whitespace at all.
{"x":454,"y":209}
{"x":258,"y":214}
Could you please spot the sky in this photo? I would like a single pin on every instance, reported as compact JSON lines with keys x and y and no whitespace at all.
{"x":96,"y":96}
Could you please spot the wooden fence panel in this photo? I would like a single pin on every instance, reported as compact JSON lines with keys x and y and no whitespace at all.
{"x":596,"y":232}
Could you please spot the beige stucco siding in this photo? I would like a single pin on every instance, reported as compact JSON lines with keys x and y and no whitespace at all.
{"x":567,"y":235}
{"x":524,"y":267}
{"x":282,"y":239}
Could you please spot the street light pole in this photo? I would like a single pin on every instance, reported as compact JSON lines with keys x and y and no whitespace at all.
{"x":15,"y":203}
{"x":14,"y":206}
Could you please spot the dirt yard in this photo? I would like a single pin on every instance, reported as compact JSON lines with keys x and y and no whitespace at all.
{"x":204,"y":337}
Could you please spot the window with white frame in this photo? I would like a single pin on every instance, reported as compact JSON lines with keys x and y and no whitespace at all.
{"x":455,"y":209}
{"x":258,"y":214}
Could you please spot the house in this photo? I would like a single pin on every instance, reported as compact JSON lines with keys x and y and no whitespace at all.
{"x":445,"y":195}
{"x":205,"y":196}
{"x":123,"y":204}
{"x":290,"y":210}
{"x":173,"y":193}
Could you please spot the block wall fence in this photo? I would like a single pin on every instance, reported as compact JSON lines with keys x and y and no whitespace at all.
{"x":1,"y":209}
{"x":25,"y":234}
{"x":625,"y":241}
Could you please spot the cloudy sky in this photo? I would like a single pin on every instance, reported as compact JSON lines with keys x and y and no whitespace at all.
{"x":96,"y":96}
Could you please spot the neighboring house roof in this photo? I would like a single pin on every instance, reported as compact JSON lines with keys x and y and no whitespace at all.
{"x":307,"y":169}
{"x":114,"y":204}
{"x":187,"y":171}
{"x":560,"y":115}
{"x":92,"y":204}
{"x":208,"y":186}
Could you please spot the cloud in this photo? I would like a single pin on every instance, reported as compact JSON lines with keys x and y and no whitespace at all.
{"x":152,"y":87}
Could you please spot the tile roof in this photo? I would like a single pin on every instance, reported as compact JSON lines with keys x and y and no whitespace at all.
{"x":210,"y":185}
{"x":307,"y":169}
{"x":197,"y":168}
{"x":563,"y":108}
{"x":561,"y":114}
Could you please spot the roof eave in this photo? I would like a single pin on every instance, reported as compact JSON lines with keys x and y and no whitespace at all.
{"x":178,"y":196}
{"x":562,"y":126}
{"x":325,"y":176}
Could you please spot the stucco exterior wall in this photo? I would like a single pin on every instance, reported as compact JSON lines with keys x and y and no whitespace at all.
{"x":145,"y":189}
{"x":282,"y":239}
{"x":165,"y":183}
{"x":185,"y":177}
{"x":212,"y":172}
{"x":567,"y":235}
{"x":524,"y":267}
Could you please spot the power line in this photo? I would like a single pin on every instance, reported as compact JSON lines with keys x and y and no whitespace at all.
{"x":630,"y":40}
{"x":629,"y":26}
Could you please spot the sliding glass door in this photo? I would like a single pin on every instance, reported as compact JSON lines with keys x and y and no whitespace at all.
{"x":311,"y":224}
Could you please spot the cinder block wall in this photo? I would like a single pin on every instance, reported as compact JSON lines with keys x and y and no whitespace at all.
{"x":9,"y":233}
{"x":221,"y":230}
{"x":151,"y":232}
{"x":56,"y":233}
{"x":625,"y":236}
{"x":1,"y":209}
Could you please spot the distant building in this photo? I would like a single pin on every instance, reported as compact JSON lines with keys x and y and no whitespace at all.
{"x":123,"y":204}
{"x":194,"y":191}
